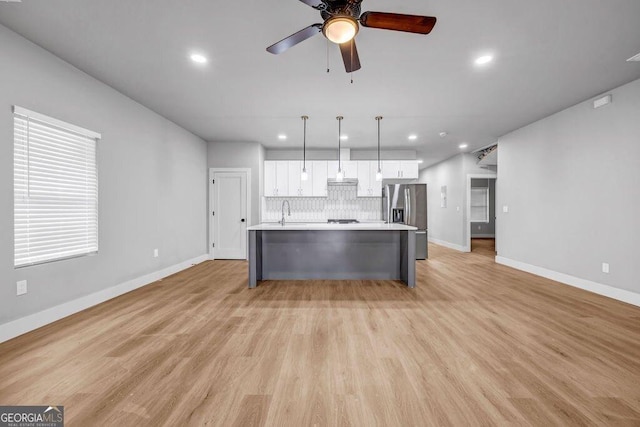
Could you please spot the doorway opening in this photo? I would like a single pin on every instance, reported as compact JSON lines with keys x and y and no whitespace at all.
{"x":481,"y":214}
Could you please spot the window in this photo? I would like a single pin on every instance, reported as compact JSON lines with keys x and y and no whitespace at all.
{"x":55,"y":189}
{"x":479,"y":204}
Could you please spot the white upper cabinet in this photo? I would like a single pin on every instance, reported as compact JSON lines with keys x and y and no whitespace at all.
{"x":409,"y":169}
{"x":283,"y":178}
{"x":390,"y":169}
{"x":298,"y":187}
{"x":318,"y":178}
{"x":364,"y":179}
{"x":350,"y":168}
{"x":367,"y":184}
{"x":276,"y":178}
{"x":400,"y":169}
{"x":376,"y":186}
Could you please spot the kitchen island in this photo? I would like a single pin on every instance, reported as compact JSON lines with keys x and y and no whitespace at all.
{"x":361,"y":251}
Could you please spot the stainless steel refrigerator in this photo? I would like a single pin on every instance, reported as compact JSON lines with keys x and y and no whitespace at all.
{"x":407,"y":204}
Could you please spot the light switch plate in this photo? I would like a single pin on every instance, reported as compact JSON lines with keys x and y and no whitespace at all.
{"x":155,"y":253}
{"x":21,"y":287}
{"x":505,"y":209}
{"x":605,"y":267}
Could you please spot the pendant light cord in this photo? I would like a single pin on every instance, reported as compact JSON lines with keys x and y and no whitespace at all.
{"x":378,"y":119}
{"x":304,"y":144}
{"x":339,"y":118}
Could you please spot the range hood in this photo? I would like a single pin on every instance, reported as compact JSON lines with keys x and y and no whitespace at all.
{"x":345,"y":181}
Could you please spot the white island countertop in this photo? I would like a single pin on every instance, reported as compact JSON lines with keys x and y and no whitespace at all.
{"x":323,"y":226}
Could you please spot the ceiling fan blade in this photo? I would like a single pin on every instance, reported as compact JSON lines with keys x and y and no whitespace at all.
{"x":350,"y":56}
{"x":398,"y":22}
{"x":313,"y":3}
{"x":294,"y":39}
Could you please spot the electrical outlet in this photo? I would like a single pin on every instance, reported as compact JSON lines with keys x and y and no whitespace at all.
{"x":21,"y":287}
{"x":605,"y":267}
{"x":155,"y":253}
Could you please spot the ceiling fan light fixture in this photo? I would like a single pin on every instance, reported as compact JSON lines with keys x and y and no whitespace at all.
{"x":340,"y":29}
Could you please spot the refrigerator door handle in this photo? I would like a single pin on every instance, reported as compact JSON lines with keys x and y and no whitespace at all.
{"x":407,"y":198}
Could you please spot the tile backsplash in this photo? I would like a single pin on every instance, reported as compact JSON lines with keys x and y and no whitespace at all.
{"x":341,"y":203}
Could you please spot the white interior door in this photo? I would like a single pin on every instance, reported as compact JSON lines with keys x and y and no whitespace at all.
{"x":230,"y":215}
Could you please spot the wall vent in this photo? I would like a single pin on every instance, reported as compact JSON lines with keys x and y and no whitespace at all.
{"x":601,"y":102}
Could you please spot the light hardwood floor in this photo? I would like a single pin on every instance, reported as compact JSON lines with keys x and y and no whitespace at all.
{"x":474,"y":344}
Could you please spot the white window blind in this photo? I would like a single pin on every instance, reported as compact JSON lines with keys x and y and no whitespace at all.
{"x":55,"y":189}
{"x":479,"y":205}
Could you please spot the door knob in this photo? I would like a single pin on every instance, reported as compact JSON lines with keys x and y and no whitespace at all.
{"x":242,"y":220}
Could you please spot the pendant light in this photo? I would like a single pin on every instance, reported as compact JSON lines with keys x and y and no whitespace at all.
{"x":379,"y":173}
{"x":304,"y":176}
{"x":339,"y":175}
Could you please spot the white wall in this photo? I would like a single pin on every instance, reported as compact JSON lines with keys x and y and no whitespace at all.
{"x":241,"y":155}
{"x":448,"y":225}
{"x":445,"y":224}
{"x":152,"y":182}
{"x":572,"y":184}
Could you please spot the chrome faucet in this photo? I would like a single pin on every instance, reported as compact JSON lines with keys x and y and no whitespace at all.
{"x":288,"y":211}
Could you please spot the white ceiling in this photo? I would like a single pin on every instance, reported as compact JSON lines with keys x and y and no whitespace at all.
{"x":549,"y":55}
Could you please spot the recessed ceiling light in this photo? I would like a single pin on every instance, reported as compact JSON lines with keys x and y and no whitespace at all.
{"x":482,"y":60}
{"x":282,"y":137}
{"x":413,"y":137}
{"x":344,"y":137}
{"x":463,"y":145}
{"x":443,"y":134}
{"x":420,"y":161}
{"x":198,"y":58}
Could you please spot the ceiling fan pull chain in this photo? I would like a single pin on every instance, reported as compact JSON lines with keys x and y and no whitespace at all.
{"x":352,"y":47}
{"x":327,"y":55}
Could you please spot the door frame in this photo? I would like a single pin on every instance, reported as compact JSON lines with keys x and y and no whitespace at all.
{"x":471,"y":176}
{"x":212,"y":207}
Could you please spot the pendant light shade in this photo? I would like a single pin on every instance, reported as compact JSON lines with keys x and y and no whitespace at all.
{"x":304,"y":176}
{"x":339,"y":175}
{"x":379,"y":173}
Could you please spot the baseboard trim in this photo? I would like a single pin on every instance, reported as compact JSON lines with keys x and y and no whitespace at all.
{"x":587,"y":285}
{"x":34,"y":321}
{"x":449,"y":245}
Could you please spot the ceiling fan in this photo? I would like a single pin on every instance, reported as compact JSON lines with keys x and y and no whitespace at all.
{"x":341,"y":18}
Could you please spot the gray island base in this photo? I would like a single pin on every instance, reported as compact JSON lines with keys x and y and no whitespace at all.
{"x":335,"y":252}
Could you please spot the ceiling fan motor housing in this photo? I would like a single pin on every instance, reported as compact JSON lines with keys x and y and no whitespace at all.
{"x":341,"y":7}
